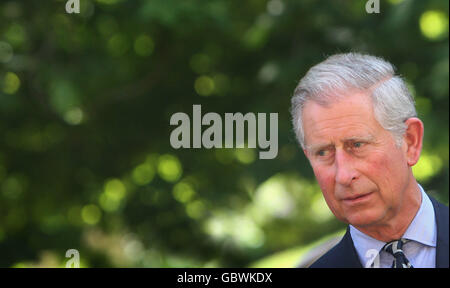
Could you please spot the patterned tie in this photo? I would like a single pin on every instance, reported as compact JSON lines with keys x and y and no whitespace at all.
{"x":395,"y":249}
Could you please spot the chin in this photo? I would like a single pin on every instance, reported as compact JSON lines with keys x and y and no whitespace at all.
{"x":361,"y":219}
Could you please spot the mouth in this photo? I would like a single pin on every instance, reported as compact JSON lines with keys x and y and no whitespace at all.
{"x":356,"y":199}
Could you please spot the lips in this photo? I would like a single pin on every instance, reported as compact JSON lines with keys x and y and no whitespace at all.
{"x":354,"y":199}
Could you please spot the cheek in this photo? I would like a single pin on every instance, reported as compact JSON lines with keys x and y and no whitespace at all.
{"x":325,"y":179}
{"x":376,"y":167}
{"x":385,"y":170}
{"x":384,"y":165}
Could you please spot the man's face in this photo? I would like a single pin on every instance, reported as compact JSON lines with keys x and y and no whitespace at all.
{"x":362,"y":173}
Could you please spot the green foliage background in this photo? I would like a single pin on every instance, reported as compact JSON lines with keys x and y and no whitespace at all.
{"x":85,"y":103}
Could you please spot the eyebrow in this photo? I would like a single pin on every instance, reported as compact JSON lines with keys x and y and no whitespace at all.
{"x":315,"y":147}
{"x":368,"y":138}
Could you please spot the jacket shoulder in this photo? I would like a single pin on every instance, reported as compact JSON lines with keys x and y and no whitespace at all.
{"x":342,"y":255}
{"x":330,"y":259}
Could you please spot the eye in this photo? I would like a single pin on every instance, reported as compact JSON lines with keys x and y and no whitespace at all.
{"x":324,"y":153}
{"x":357,"y":145}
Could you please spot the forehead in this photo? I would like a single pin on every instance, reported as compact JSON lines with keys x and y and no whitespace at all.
{"x":349,"y":117}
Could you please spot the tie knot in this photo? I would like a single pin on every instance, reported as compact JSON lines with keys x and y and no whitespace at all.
{"x":395,"y":247}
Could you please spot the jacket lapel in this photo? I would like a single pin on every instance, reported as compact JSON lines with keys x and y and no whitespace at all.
{"x":350,"y":258}
{"x":442,"y":217}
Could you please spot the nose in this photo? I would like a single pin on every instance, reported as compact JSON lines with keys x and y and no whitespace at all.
{"x":345,"y":170}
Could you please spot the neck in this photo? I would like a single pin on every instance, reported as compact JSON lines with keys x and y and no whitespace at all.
{"x":395,"y":227}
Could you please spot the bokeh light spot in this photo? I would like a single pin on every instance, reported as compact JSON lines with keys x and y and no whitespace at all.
{"x":115,"y":189}
{"x":15,"y":34}
{"x":204,"y":86}
{"x":275,"y":7}
{"x":273,"y":197}
{"x":195,"y":209}
{"x":107,"y":203}
{"x":428,"y":166}
{"x":241,"y":229}
{"x":169,"y":168}
{"x":183,"y":192}
{"x":13,"y":187}
{"x":268,"y":73}
{"x":117,"y":45}
{"x":143,"y":174}
{"x":245,"y":155}
{"x":143,"y":45}
{"x":112,"y":196}
{"x":91,"y":214}
{"x":11,"y":83}
{"x":434,"y":24}
{"x":74,"y":116}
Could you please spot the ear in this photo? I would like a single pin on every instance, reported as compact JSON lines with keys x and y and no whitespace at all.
{"x":413,"y":139}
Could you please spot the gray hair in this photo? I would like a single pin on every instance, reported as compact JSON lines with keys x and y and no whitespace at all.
{"x":330,"y":80}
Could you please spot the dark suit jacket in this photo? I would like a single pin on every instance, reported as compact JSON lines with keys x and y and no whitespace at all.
{"x":344,"y":254}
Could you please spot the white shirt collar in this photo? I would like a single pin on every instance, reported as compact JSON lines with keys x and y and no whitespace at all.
{"x":419,"y":230}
